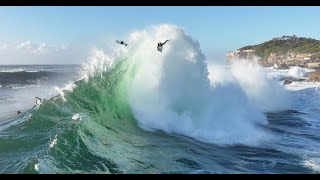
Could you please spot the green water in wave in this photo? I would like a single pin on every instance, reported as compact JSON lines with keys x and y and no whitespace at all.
{"x":107,"y":139}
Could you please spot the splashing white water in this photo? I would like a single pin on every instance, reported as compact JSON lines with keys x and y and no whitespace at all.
{"x":171,"y":91}
{"x":36,"y":166}
{"x":263,"y":93}
{"x":99,"y":61}
{"x":313,"y":164}
{"x":77,"y":117}
{"x":60,"y":91}
{"x":294,"y":72}
{"x":298,"y":72}
{"x":296,"y":86}
{"x":53,"y":142}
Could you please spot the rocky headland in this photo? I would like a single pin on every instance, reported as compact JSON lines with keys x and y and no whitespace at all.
{"x":282,"y":53}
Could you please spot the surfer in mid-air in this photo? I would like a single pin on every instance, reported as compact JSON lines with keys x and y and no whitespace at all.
{"x":121,"y":42}
{"x":160,"y":45}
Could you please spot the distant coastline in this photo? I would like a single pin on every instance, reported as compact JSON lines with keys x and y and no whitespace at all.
{"x":282,"y":52}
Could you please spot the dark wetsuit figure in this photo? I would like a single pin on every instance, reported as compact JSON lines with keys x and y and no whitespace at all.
{"x":121,"y":42}
{"x":160,"y":45}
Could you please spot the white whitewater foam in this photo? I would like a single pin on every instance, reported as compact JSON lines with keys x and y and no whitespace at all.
{"x":298,"y":72}
{"x":53,"y":142}
{"x":171,"y":91}
{"x":276,"y":74}
{"x":313,"y":164}
{"x":68,"y":87}
{"x":99,"y":61}
{"x":32,"y":71}
{"x":19,"y":87}
{"x":36,"y":166}
{"x":12,"y":70}
{"x":296,"y":86}
{"x":264,"y":93}
{"x":77,"y":117}
{"x":294,"y":72}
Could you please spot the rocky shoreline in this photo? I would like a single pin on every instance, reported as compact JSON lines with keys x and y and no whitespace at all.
{"x":284,"y":52}
{"x":310,"y":77}
{"x":314,"y":76}
{"x":291,"y":80}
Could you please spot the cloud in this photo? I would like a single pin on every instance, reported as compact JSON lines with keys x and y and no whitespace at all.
{"x":28,"y":52}
{"x":27,"y":45}
{"x":3,"y":46}
{"x":39,"y":49}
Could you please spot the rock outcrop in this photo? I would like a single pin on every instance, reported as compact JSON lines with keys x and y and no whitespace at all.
{"x":281,"y":52}
{"x":314,"y":76}
{"x":242,"y":54}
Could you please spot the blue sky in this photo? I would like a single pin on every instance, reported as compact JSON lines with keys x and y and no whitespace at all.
{"x":218,"y":29}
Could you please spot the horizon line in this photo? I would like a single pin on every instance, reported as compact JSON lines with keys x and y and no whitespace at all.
{"x":36,"y":64}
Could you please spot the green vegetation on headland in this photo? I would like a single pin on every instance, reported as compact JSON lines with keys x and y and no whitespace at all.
{"x":283,"y":53}
{"x":285,"y":44}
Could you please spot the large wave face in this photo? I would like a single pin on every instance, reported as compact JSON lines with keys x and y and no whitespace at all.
{"x":114,"y":119}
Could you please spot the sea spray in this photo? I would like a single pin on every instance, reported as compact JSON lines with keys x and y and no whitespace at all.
{"x":171,"y":91}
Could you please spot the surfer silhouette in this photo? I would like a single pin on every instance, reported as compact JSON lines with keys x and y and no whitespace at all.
{"x":160,"y":45}
{"x":38,"y":101}
{"x":121,"y":42}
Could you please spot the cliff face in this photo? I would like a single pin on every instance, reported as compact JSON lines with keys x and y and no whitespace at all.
{"x":241,"y":54}
{"x":291,"y":59}
{"x":291,"y":51}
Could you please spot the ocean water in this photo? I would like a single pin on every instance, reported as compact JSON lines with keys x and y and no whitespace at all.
{"x":20,"y":84}
{"x":136,"y":110}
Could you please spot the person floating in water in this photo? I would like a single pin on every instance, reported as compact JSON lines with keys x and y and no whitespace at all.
{"x":121,"y":42}
{"x":160,"y":45}
{"x":38,"y":101}
{"x":19,"y":112}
